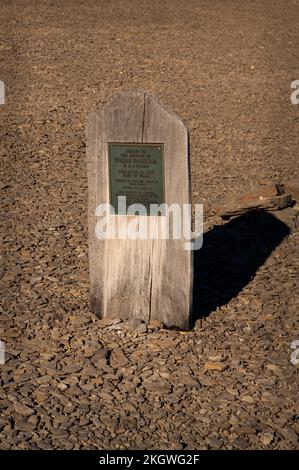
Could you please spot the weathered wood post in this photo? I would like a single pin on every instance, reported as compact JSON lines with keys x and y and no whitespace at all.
{"x":139,"y":150}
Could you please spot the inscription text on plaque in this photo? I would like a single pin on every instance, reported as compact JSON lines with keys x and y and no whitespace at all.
{"x":136,"y":171}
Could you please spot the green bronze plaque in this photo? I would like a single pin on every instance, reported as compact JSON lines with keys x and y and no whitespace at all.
{"x":136,"y":171}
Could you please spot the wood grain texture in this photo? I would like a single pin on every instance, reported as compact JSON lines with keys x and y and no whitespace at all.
{"x":148,"y":279}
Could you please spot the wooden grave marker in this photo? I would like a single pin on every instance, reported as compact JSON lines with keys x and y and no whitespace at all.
{"x":138,"y":149}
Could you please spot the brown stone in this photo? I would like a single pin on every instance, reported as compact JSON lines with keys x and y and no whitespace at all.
{"x":99,"y":359}
{"x":266,"y":438}
{"x":23,"y":410}
{"x":40,"y":396}
{"x":25,"y":426}
{"x":215,"y":366}
{"x":155,"y":324}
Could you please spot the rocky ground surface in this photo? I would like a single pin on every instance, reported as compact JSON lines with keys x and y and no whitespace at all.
{"x":73,"y":381}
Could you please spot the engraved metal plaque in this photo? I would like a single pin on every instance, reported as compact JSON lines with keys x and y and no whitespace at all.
{"x":136,"y":171}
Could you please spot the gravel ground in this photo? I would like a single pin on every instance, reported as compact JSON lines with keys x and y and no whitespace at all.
{"x":71,"y":380}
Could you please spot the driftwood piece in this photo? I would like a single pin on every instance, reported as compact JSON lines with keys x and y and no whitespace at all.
{"x":235,"y":208}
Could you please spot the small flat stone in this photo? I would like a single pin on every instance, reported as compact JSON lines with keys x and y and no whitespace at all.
{"x":159,"y":387}
{"x":25,"y":426}
{"x":80,"y":321}
{"x":23,"y":410}
{"x":103,"y":322}
{"x":240,"y":443}
{"x":247,"y":430}
{"x":99,"y":359}
{"x":247,"y":399}
{"x":215,"y":366}
{"x":188,"y":380}
{"x":155,"y":325}
{"x":205,"y":381}
{"x":273,"y":367}
{"x":266,"y":438}
{"x":141,"y":329}
{"x":62,"y":386}
{"x":72,"y":369}
{"x":214,"y":442}
{"x":216,"y":357}
{"x":40,"y":396}
{"x":290,"y":435}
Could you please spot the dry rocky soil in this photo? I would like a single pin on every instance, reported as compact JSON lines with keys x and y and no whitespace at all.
{"x":71,"y":380}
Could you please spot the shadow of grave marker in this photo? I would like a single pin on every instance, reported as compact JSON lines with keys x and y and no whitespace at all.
{"x":230,"y":256}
